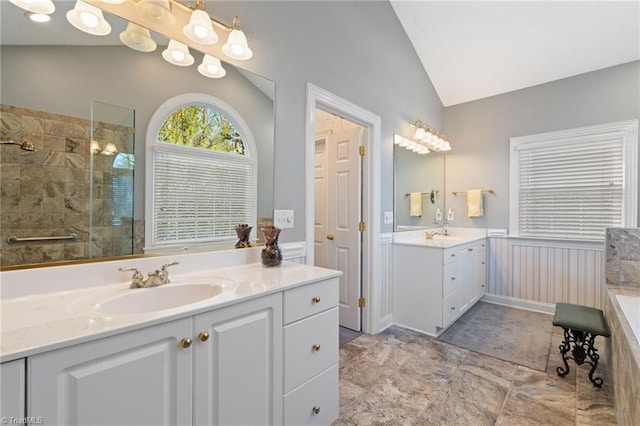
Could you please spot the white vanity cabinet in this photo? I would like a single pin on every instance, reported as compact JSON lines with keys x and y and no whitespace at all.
{"x":267,"y":360}
{"x":138,"y":378}
{"x":215,"y":368}
{"x":434,"y":286}
{"x":12,"y":389}
{"x":311,"y":354}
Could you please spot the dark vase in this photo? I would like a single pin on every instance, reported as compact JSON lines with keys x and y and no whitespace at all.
{"x":243,"y":231}
{"x":271,"y":253}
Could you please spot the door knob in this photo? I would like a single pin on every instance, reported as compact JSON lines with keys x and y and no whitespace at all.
{"x":330,"y":236}
{"x":316,"y":410}
{"x":316,"y":347}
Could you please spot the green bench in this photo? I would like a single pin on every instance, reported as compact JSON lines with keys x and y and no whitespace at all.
{"x":581,"y":325}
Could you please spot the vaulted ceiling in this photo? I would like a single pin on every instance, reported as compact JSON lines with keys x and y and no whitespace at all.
{"x":476,"y":49}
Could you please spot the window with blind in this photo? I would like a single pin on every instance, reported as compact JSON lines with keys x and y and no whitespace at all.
{"x":575,"y":183}
{"x":204,"y":178}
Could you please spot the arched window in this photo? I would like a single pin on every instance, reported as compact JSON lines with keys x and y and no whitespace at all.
{"x":203,"y":172}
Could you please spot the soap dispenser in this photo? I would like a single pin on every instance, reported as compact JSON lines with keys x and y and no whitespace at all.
{"x":450,"y":215}
{"x":438,"y":215}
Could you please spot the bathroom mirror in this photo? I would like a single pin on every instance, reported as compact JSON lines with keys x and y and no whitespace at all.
{"x":423,"y":175}
{"x":56,"y":69}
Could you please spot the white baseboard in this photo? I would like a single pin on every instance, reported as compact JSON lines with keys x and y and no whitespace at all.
{"x":514,"y":302}
{"x":384,"y":323}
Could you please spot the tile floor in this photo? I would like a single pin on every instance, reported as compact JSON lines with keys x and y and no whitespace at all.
{"x":399,"y":377}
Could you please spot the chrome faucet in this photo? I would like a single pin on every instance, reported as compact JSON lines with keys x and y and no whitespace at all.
{"x":154,"y":279}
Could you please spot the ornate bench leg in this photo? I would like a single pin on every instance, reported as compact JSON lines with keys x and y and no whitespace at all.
{"x":592,"y":352}
{"x":582,"y":347}
{"x":564,"y":349}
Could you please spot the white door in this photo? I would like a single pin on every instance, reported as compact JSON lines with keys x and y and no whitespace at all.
{"x":337,"y":215}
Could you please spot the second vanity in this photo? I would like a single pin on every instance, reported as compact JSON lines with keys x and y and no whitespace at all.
{"x":262,"y":350}
{"x":437,"y":279}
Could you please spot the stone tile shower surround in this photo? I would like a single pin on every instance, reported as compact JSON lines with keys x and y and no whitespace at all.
{"x":623,"y":277}
{"x":46,"y":192}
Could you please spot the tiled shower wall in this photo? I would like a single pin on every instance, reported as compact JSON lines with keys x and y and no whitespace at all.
{"x":46,"y":192}
{"x":623,"y":257}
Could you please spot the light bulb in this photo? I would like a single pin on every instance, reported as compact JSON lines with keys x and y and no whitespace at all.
{"x":89,"y":19}
{"x":237,"y":49}
{"x":420,"y":133}
{"x":38,"y":17}
{"x":178,"y":55}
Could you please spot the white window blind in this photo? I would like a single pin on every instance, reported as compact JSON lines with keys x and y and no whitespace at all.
{"x":200,"y":198}
{"x":572,"y":184}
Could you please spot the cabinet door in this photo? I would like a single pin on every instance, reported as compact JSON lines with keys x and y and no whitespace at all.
{"x":466,"y":279}
{"x":238,"y":367}
{"x":12,"y":389}
{"x":138,"y":378}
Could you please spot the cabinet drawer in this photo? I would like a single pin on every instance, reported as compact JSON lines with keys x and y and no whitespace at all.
{"x":450,"y":278}
{"x":450,"y":255}
{"x":450,"y":308}
{"x":302,"y":358}
{"x":310,"y":299}
{"x":320,"y":393}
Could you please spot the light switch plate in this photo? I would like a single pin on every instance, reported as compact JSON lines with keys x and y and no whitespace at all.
{"x":283,"y":219}
{"x":388,"y":218}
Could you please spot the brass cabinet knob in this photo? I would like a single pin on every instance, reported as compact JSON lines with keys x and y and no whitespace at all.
{"x":203,"y":336}
{"x":316,"y":299}
{"x":453,"y":308}
{"x":330,"y":236}
{"x":185,"y":343}
{"x":316,"y":409}
{"x":316,"y":347}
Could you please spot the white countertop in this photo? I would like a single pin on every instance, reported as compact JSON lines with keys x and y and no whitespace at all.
{"x":457,"y":236}
{"x":41,"y":322}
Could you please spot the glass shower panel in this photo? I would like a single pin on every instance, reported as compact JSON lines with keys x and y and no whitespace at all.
{"x":111,"y":169}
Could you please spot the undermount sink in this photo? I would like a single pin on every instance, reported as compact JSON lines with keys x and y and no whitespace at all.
{"x":167,"y":296}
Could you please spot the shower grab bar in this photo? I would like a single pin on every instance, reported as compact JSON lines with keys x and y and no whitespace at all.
{"x":13,"y":239}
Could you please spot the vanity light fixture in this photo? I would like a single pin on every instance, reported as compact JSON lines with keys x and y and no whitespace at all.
{"x":44,"y":7}
{"x":159,"y":10}
{"x":211,"y":67}
{"x":178,"y":54}
{"x":414,"y":146}
{"x":236,"y":46}
{"x":88,"y":18}
{"x":109,"y":149}
{"x":432,"y":138}
{"x":199,"y":28}
{"x":138,"y":38}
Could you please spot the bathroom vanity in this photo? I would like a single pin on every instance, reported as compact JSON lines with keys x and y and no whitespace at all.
{"x":264,"y":350}
{"x":437,"y":279}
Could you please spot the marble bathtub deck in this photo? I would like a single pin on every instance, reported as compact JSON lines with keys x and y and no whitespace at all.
{"x":399,"y":377}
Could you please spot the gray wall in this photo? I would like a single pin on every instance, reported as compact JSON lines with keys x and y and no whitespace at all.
{"x":354,"y":49}
{"x":357,"y":50}
{"x":479,"y":131}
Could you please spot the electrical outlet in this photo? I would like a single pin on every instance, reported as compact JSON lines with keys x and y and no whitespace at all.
{"x":283,"y":219}
{"x":388,"y":218}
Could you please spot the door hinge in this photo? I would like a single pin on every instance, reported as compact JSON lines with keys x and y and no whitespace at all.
{"x":362,"y":226}
{"x":363,"y":150}
{"x":361,"y":302}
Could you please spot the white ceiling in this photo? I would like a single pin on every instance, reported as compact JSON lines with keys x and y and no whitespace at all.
{"x":476,"y":49}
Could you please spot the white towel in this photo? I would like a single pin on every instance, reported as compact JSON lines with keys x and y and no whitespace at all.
{"x":415,"y":202}
{"x":474,"y":203}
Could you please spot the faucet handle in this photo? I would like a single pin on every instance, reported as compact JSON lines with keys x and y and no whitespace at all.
{"x":164,"y":273}
{"x":166,"y":265}
{"x":137,"y":280}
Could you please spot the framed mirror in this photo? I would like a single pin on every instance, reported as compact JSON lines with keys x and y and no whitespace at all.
{"x":58,"y":70}
{"x":418,"y":189}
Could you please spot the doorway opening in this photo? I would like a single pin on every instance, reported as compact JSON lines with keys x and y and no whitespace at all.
{"x":338,"y":208}
{"x":367,"y":198}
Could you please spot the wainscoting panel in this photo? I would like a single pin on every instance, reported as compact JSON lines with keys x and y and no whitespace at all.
{"x":386,"y":281}
{"x":546,"y":271}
